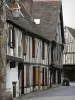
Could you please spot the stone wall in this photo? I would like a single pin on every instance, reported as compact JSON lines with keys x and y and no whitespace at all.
{"x":3,"y":52}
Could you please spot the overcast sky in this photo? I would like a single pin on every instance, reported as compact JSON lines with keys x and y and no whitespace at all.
{"x":69,"y":12}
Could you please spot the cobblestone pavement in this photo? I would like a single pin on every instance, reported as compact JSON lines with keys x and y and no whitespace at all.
{"x":60,"y":93}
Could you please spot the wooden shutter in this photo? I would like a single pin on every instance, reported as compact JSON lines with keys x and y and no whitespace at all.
{"x":33,"y":47}
{"x":24,"y":44}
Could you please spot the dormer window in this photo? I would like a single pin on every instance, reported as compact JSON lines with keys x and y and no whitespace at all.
{"x":37,"y":21}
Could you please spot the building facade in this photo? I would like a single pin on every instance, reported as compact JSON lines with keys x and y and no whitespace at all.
{"x":27,"y":56}
{"x":69,"y":53}
{"x":34,"y":53}
{"x":49,"y":15}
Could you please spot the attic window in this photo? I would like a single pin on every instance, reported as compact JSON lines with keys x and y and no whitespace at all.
{"x":37,"y":21}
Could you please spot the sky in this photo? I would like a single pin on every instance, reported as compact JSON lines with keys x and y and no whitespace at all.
{"x":69,"y":13}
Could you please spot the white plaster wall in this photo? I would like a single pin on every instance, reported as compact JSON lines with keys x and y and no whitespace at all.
{"x":56,"y":77}
{"x":38,"y":51}
{"x":27,"y":48}
{"x":12,"y":76}
{"x":18,"y":42}
{"x":49,"y":78}
{"x":31,"y":59}
{"x":46,"y":53}
{"x":31,"y":75}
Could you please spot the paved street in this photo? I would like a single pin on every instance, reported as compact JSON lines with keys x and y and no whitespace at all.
{"x":60,"y":93}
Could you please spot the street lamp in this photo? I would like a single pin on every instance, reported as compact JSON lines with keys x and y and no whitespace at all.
{"x":15,"y":9}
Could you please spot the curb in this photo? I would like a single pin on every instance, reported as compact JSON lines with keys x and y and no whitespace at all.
{"x":34,"y":94}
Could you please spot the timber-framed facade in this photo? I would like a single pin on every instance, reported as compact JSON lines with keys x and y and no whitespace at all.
{"x":34,"y":59}
{"x":69,"y":53}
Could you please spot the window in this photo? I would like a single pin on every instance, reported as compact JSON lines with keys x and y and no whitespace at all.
{"x":24,"y":45}
{"x":11,"y":42}
{"x":12,"y":64}
{"x":37,"y":21}
{"x":33,"y":47}
{"x":43,"y":49}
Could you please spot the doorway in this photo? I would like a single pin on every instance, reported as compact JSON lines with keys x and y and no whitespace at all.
{"x":21,"y":76}
{"x":14,"y":89}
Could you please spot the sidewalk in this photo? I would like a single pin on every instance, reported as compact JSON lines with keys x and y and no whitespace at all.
{"x":33,"y":94}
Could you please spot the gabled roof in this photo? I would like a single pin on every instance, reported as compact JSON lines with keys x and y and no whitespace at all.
{"x":47,"y":11}
{"x":25,"y":23}
{"x":71,"y":30}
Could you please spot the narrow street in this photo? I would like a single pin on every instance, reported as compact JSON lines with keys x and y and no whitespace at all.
{"x":60,"y":93}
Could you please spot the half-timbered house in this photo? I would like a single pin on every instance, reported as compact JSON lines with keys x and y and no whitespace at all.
{"x":48,"y":16}
{"x":69,"y":53}
{"x":27,"y":55}
{"x":34,"y":54}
